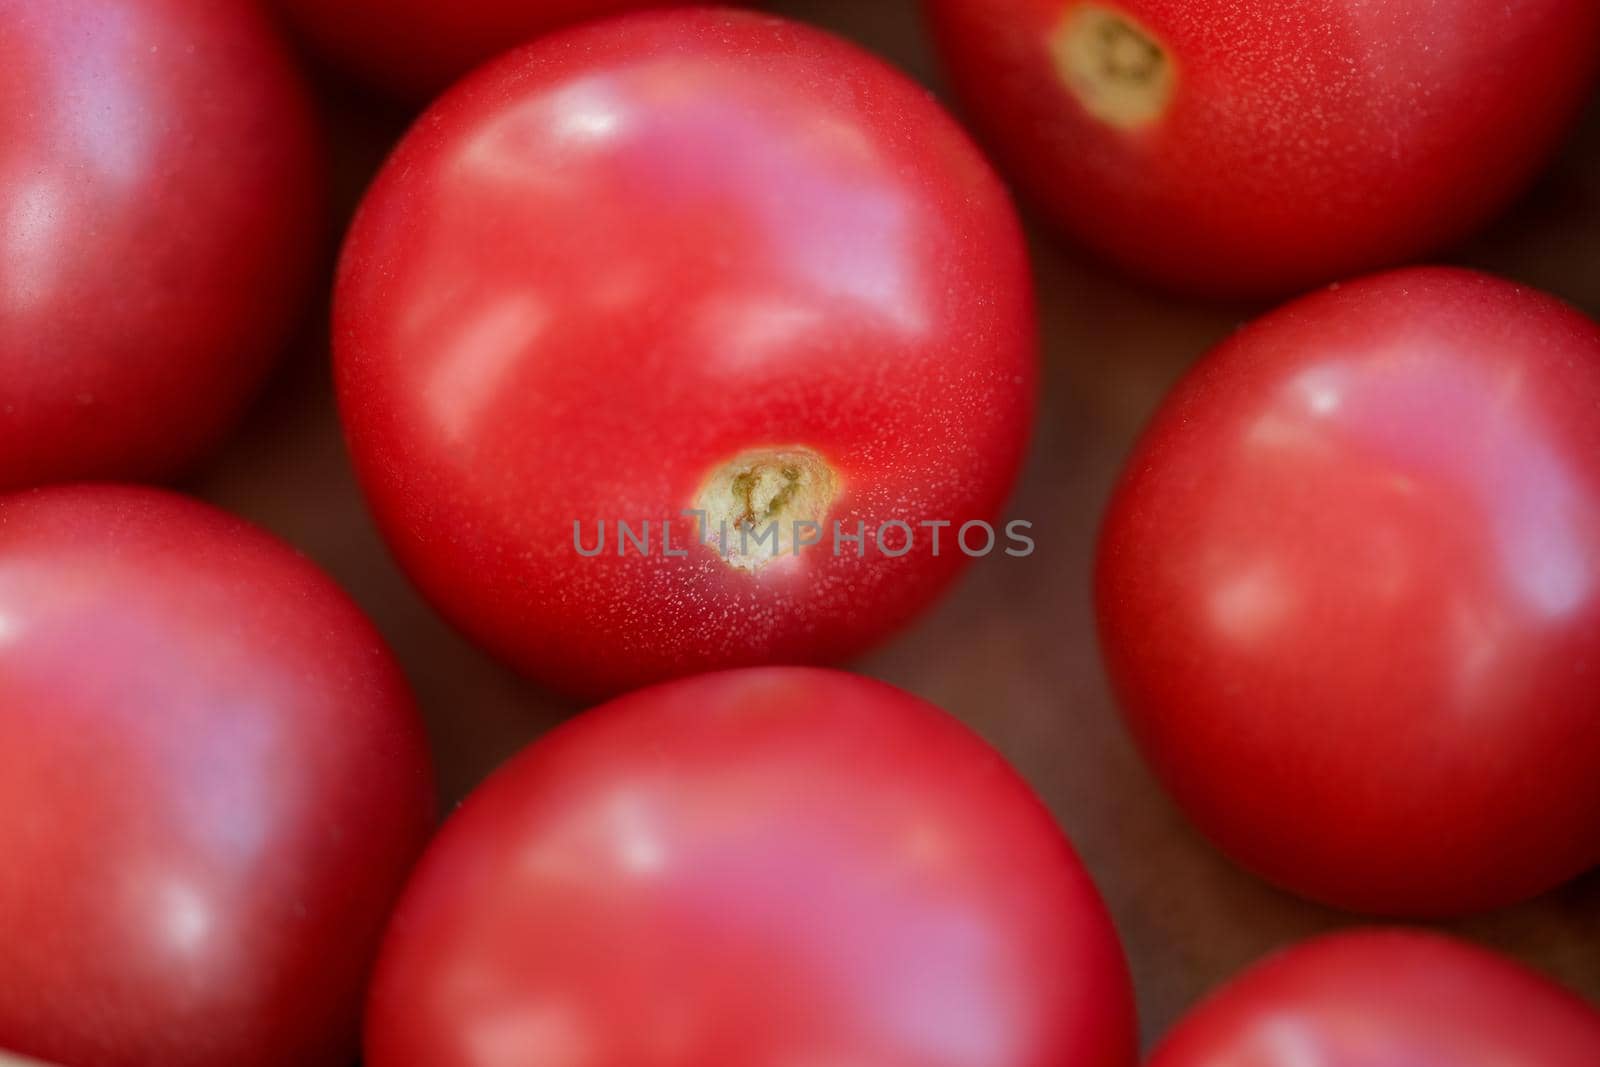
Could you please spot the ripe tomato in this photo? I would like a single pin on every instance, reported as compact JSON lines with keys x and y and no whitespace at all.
{"x":212,"y":783}
{"x":1261,"y":146}
{"x":696,"y":260}
{"x":780,"y":865}
{"x":160,"y":199}
{"x":1387,"y":999}
{"x":1349,"y":594}
{"x":415,"y":48}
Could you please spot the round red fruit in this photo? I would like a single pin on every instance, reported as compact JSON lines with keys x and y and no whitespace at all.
{"x":1248,"y":147}
{"x":1349,"y":594}
{"x":781,"y":865}
{"x":160,"y":211}
{"x":688,"y":262}
{"x":212,"y":784}
{"x":1379,"y":998}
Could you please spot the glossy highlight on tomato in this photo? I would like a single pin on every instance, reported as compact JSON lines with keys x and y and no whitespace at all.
{"x":161,"y":207}
{"x":697,"y":260}
{"x":1349,"y":594}
{"x":415,"y":48}
{"x":780,"y":865}
{"x":1375,"y":998}
{"x":212,"y":784}
{"x":1259,"y":147}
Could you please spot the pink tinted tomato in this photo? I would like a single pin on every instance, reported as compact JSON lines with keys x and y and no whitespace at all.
{"x":160,"y":208}
{"x":1382,"y":998}
{"x":415,"y":48}
{"x":1349,"y":593}
{"x":689,"y":261}
{"x":212,"y":783}
{"x":1262,"y":146}
{"x":780,"y":865}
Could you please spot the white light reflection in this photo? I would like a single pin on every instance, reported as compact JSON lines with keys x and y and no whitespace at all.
{"x":639,"y":847}
{"x":100,"y":136}
{"x":1495,"y":450}
{"x":751,"y":330}
{"x":967,"y":1026}
{"x":586,"y":112}
{"x":1283,"y":1041}
{"x":622,"y":830}
{"x":591,"y":121}
{"x":526,"y":1032}
{"x":472,"y":367}
{"x":1321,"y":388}
{"x":185,"y":920}
{"x":1249,"y":606}
{"x":105,"y":95}
{"x":1543,"y":536}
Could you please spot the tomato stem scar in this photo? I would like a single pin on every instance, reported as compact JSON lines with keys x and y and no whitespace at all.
{"x":1119,"y":72}
{"x":753,"y":504}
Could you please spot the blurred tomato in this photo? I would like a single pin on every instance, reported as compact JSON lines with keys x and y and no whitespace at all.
{"x":698,"y":260}
{"x":160,"y":207}
{"x":212,"y":783}
{"x":1349,"y":594}
{"x":1262,"y":146}
{"x":759,"y":867}
{"x":1387,"y":999}
{"x":415,"y":48}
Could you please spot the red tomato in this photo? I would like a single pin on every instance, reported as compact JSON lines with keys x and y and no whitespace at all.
{"x":212,"y":783}
{"x":1387,"y":999}
{"x":777,"y":866}
{"x":1261,"y":146}
{"x":160,"y":201}
{"x":1349,"y":594}
{"x":689,"y":260}
{"x":414,"y":48}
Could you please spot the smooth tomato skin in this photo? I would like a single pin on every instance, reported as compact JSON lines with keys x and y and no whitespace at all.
{"x":771,"y":866}
{"x":1387,"y":998}
{"x":161,"y":201}
{"x":1349,"y":594}
{"x":611,"y":262}
{"x":212,"y":785}
{"x":1303,"y":142}
{"x":414,"y":49}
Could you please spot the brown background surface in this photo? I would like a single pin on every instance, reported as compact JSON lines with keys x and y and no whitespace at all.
{"x":1011,"y":650}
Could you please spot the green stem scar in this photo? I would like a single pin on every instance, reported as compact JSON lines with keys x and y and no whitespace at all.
{"x":757,"y":505}
{"x":1116,"y":68}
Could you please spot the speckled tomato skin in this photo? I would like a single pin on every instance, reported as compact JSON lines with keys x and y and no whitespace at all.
{"x":161,"y":210}
{"x":1349,"y":594}
{"x":1307,"y":140}
{"x":1387,"y":998}
{"x":414,"y":49}
{"x":780,"y":865}
{"x":213,"y":782}
{"x":606,"y":265}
